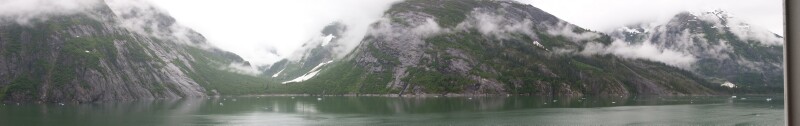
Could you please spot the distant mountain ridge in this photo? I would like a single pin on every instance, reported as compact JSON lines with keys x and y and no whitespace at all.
{"x":117,"y":51}
{"x":727,"y":49}
{"x":487,"y":47}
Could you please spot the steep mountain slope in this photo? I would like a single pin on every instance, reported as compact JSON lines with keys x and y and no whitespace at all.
{"x":315,"y":53}
{"x":480,"y":47}
{"x":112,"y":52}
{"x":727,"y":49}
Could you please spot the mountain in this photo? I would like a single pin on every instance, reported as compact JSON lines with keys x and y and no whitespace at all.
{"x":116,"y":50}
{"x":313,"y":54}
{"x":727,"y":49}
{"x":113,"y":51}
{"x":481,"y":47}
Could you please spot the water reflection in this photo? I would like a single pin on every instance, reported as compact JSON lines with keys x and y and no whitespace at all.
{"x":484,"y":110}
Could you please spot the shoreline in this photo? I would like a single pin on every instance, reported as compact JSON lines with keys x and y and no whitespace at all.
{"x":479,"y":95}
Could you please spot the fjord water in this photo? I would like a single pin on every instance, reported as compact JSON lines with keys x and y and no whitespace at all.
{"x":350,"y":110}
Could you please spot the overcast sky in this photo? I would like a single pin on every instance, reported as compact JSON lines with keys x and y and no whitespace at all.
{"x":251,"y":28}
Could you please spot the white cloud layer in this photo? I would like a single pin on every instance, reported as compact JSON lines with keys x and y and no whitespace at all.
{"x":22,"y":11}
{"x":606,"y":15}
{"x":646,"y":51}
{"x":257,"y":29}
{"x":252,"y":28}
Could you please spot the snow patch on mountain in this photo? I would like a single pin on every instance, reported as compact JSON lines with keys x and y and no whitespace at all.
{"x":279,"y":73}
{"x":539,"y":45}
{"x":725,"y":21}
{"x":327,"y":39}
{"x":314,"y":71}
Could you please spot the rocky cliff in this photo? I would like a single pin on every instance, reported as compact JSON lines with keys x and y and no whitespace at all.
{"x":487,"y":47}
{"x":726,"y":48}
{"x":111,"y":52}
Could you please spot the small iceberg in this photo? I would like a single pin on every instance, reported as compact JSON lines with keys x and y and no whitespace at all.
{"x":728,"y":85}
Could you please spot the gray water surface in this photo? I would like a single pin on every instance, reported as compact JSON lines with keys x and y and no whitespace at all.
{"x":350,"y":110}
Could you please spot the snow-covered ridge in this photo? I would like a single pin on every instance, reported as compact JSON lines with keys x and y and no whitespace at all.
{"x":724,"y":21}
{"x":630,"y":30}
{"x":308,"y":75}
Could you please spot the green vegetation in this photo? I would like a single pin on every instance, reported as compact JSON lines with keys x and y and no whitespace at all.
{"x":436,"y":81}
{"x":585,"y":66}
{"x":90,"y":49}
{"x":23,"y":84}
{"x":338,"y":78}
{"x":208,"y":73}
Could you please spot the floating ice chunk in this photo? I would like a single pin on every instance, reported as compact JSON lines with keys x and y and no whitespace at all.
{"x":728,"y":85}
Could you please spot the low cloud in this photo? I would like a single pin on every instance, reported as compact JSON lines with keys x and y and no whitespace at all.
{"x":140,"y":16}
{"x":24,"y":11}
{"x":607,"y":15}
{"x":419,"y":28}
{"x":251,"y":28}
{"x":492,"y":24}
{"x":241,"y":68}
{"x":725,"y":21}
{"x":568,"y":30}
{"x":646,"y":51}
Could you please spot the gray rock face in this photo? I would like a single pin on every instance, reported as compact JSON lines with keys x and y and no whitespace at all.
{"x":727,"y":49}
{"x":503,"y":47}
{"x":94,"y":56}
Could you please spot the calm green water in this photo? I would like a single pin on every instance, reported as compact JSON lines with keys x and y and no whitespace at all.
{"x":342,"y":110}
